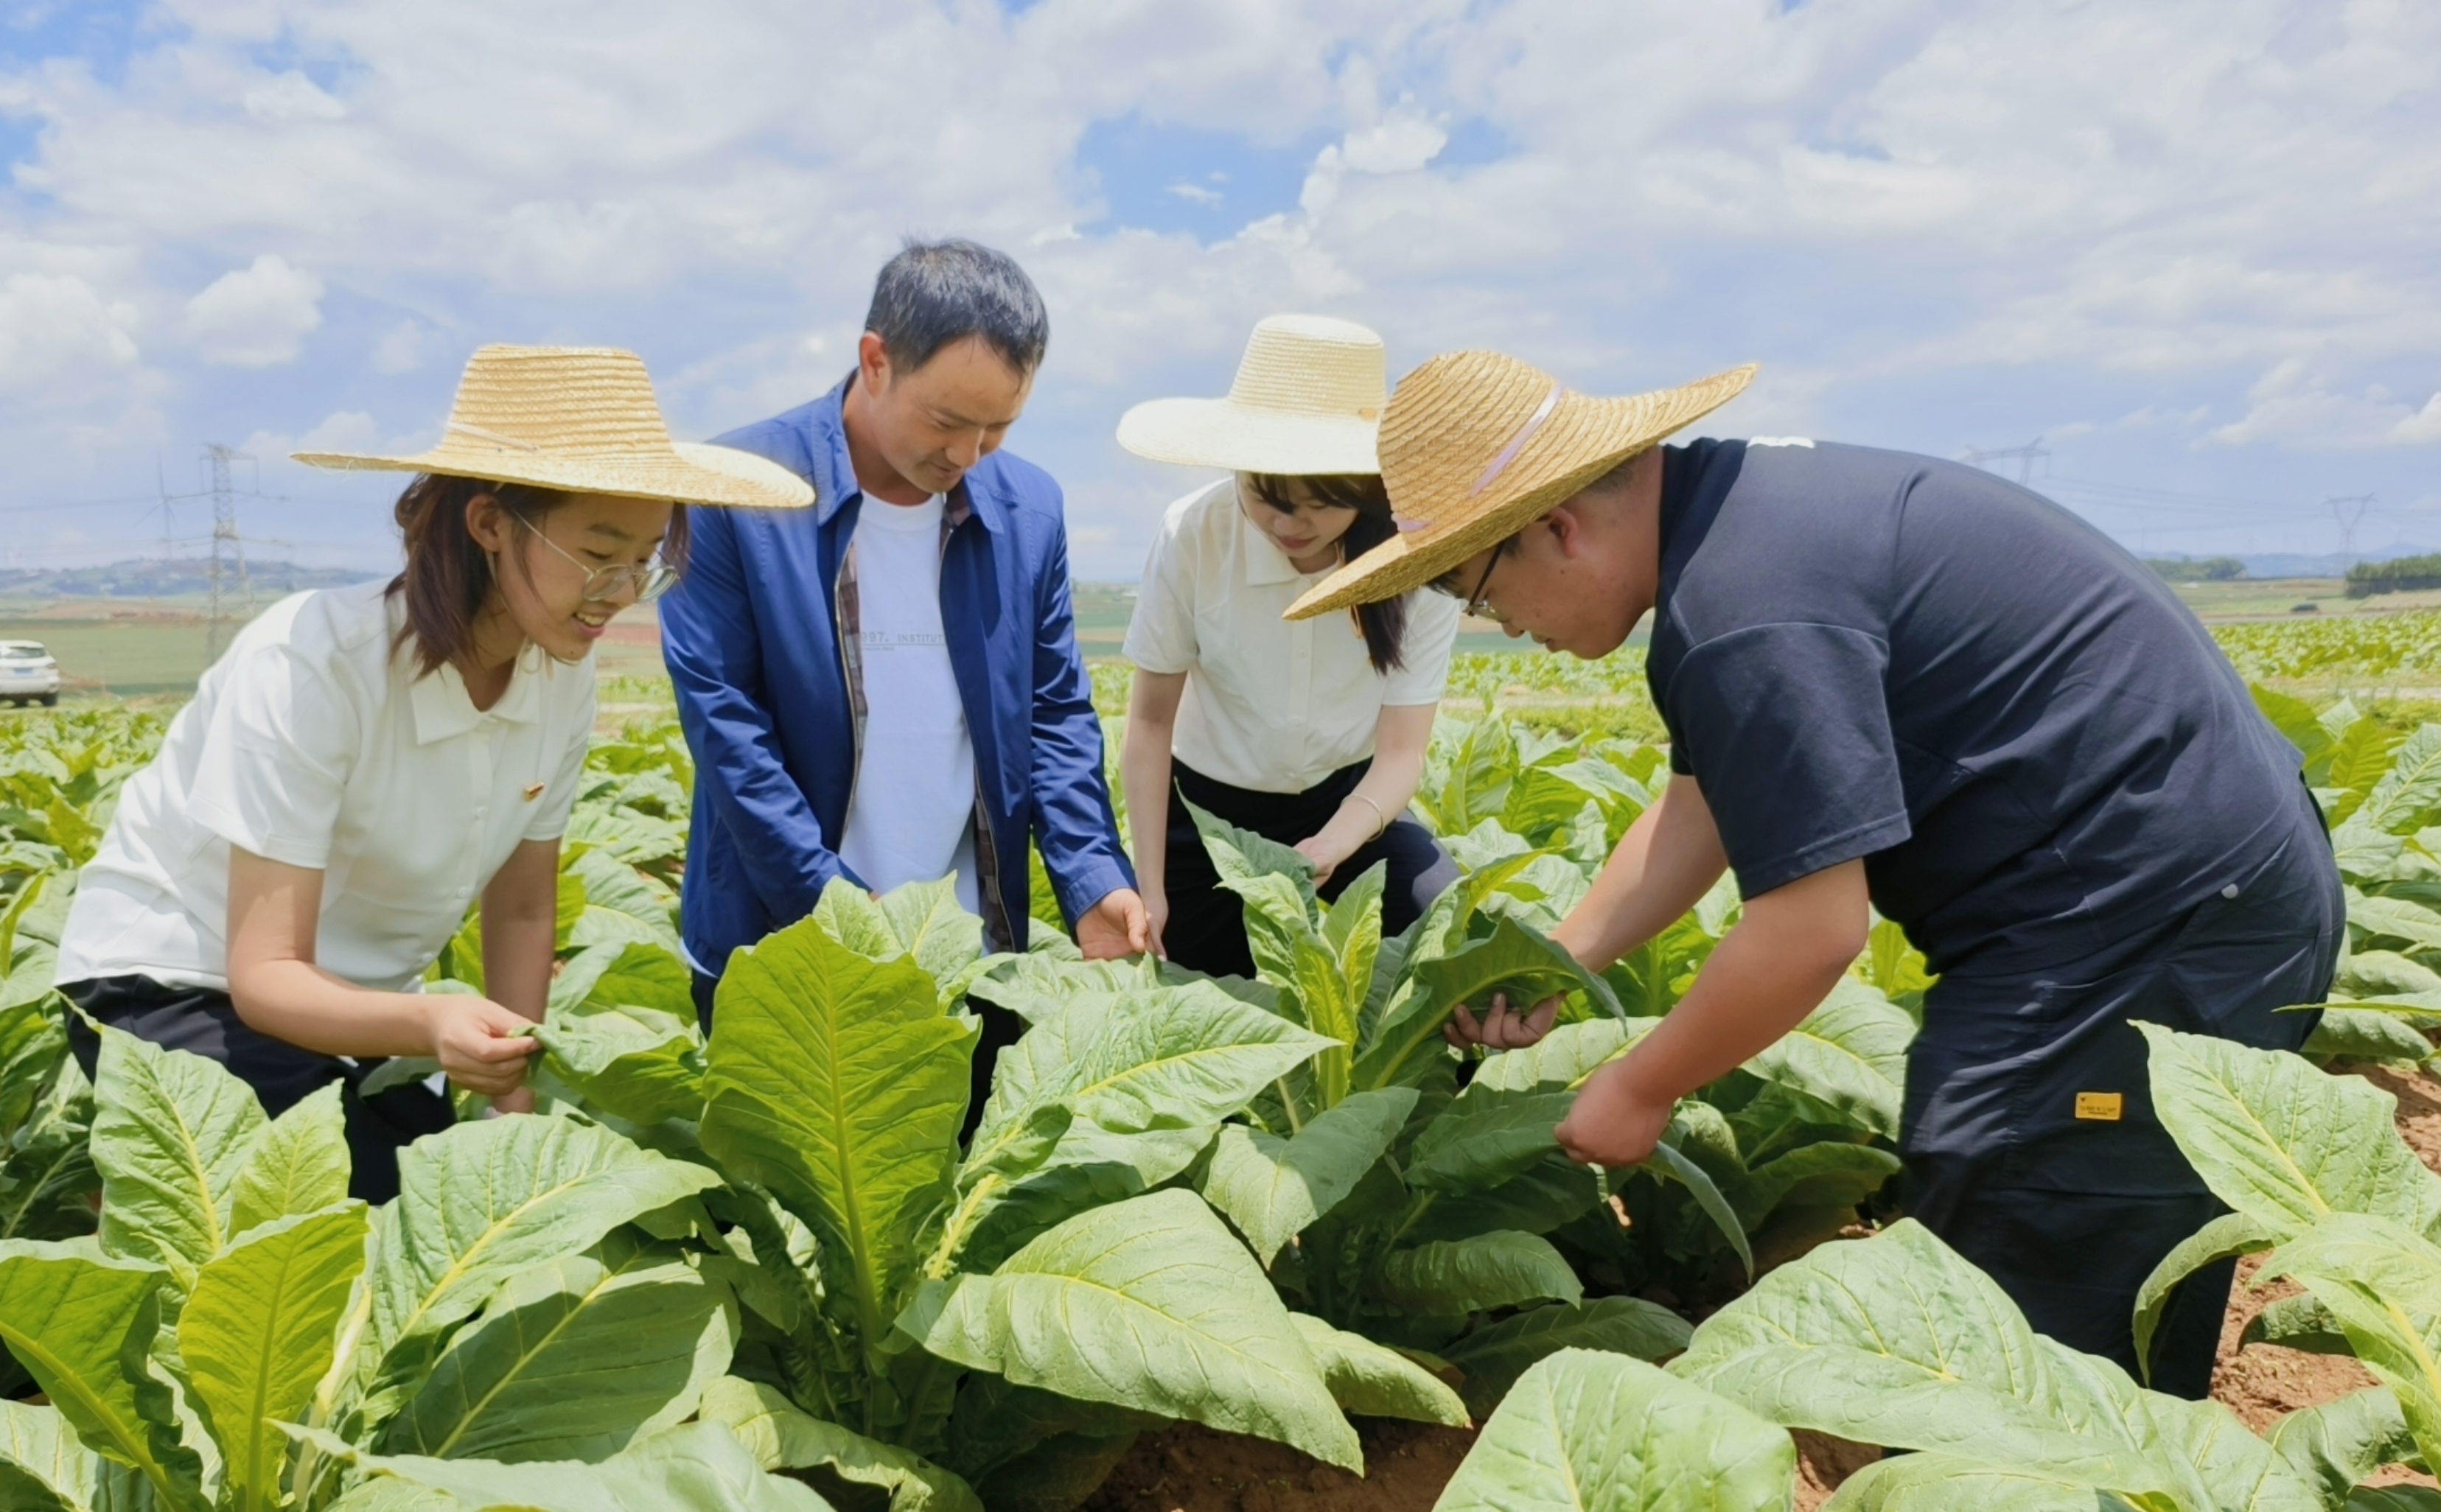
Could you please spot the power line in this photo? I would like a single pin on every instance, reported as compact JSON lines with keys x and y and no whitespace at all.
{"x":2025,"y":457}
{"x":224,"y":536}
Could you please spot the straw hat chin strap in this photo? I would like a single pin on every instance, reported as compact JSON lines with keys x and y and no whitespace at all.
{"x":1508,"y":453}
{"x":492,"y":436}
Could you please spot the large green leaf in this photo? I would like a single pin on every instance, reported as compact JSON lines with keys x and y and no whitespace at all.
{"x":43,"y":1469}
{"x":635,"y":1062}
{"x":1848,"y":1054}
{"x":1484,"y":1138}
{"x":170,"y":1133}
{"x":2340,"y":1443}
{"x":2389,"y":918}
{"x":1376,"y":1380}
{"x":627,"y":975}
{"x":1272,"y":1188}
{"x":482,"y":1201}
{"x":2382,"y":1282}
{"x":838,"y":1082}
{"x":620,"y":903}
{"x":1294,"y":958}
{"x":1150,"y":1305}
{"x":934,"y":928}
{"x":573,"y":1359}
{"x":2393,"y":1499}
{"x":2367,"y":1033}
{"x":1452,"y":1277}
{"x":258,"y":1333}
{"x":1822,"y":1175}
{"x":1513,"y":959}
{"x":2283,"y":1142}
{"x":2402,"y":802}
{"x":1494,"y":1356}
{"x":83,"y":1324}
{"x":47,"y":1181}
{"x":781,"y":1437}
{"x":1943,"y":1483}
{"x":32,"y":1042}
{"x":298,"y":1164}
{"x":1897,"y":1340}
{"x":1587,"y":1432}
{"x":1238,"y":855}
{"x":1163,"y":1057}
{"x":699,"y":1468}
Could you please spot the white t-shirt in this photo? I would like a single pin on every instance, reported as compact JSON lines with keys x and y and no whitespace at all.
{"x":1271,"y":705}
{"x":312,"y":743}
{"x":910,"y":817}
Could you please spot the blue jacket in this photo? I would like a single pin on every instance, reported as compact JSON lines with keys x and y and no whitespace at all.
{"x":750,"y":638}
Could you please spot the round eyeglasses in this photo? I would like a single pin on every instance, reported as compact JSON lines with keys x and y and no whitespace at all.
{"x":652,"y":579}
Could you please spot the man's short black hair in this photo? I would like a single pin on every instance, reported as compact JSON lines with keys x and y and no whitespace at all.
{"x":936,"y":293}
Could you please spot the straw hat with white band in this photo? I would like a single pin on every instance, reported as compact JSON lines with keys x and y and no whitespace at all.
{"x":1475,"y":446}
{"x":582,"y":420}
{"x":1307,"y":400}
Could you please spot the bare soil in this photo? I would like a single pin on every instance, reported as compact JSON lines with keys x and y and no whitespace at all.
{"x":1187,"y":1468}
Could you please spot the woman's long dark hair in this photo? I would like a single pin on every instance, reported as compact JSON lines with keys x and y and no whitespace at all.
{"x":1384,"y":625}
{"x":448,"y":573}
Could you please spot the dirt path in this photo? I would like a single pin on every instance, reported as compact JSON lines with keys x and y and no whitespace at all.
{"x":1188,"y":1468}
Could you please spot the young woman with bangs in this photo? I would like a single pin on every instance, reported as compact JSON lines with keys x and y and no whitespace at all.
{"x":365,"y":763}
{"x":1309,"y":733}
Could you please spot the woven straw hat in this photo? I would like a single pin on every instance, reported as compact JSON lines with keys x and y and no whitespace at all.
{"x":1475,"y":446}
{"x":584,"y":419}
{"x":1307,"y":400}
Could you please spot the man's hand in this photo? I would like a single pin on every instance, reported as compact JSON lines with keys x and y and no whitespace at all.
{"x":1502,"y":1027}
{"x":1611,"y":1123}
{"x":1115,"y":927}
{"x":481,"y":1045}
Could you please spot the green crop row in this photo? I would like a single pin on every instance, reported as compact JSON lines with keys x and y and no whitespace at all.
{"x":778,"y":1270}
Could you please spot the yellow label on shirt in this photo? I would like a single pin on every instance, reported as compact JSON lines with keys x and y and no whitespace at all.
{"x":533,"y":792}
{"x":2099,"y":1107}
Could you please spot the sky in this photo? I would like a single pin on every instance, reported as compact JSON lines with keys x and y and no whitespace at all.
{"x":2187,"y":252}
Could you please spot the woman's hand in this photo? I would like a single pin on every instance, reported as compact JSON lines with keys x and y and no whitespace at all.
{"x":481,"y":1045}
{"x":1324,"y":853}
{"x":1156,"y":908}
{"x":1502,"y":1026}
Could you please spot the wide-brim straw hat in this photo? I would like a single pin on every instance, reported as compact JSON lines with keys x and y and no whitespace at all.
{"x":582,"y":420}
{"x":1307,"y":400}
{"x":1475,"y":446}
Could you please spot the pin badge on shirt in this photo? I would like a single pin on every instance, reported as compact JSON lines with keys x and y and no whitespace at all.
{"x":2100,"y":1107}
{"x":534,"y":790}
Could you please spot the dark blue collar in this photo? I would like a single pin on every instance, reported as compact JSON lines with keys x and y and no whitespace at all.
{"x":834,"y":474}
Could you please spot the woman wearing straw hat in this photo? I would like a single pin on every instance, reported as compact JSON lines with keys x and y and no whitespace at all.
{"x":1904,"y":681}
{"x":1311,"y":734}
{"x":364,"y":762}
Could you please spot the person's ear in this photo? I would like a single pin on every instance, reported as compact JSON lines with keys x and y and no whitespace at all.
{"x":487,"y":522}
{"x":1567,"y":531}
{"x":872,"y":362}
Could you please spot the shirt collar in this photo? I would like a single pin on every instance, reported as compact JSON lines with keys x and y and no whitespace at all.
{"x":1266,"y":563}
{"x":443,"y":710}
{"x":834,"y":474}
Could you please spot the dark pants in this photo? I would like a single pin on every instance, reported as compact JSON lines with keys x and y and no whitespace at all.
{"x":1206,"y":930}
{"x":2070,"y":1213}
{"x":205,"y":1022}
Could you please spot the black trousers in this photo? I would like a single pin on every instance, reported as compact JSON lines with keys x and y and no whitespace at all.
{"x":205,"y":1022}
{"x":2070,"y":1213}
{"x":1206,"y":930}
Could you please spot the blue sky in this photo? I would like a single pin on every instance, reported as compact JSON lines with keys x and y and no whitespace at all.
{"x":2192,"y":245}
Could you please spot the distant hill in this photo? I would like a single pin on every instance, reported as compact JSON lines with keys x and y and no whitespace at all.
{"x":2289,"y":564}
{"x":158,"y":579}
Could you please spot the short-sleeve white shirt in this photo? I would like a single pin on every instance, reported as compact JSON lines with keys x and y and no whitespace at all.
{"x":313,"y":742}
{"x":1271,"y":705}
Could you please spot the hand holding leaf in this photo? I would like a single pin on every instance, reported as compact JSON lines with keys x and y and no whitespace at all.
{"x":1502,"y":1027}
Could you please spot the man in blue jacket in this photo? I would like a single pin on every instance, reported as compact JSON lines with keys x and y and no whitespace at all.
{"x":885,"y":687}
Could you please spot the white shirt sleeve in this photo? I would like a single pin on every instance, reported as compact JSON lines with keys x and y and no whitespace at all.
{"x":552,"y":810}
{"x":275,"y":763}
{"x":1429,"y":635}
{"x":1160,"y":633}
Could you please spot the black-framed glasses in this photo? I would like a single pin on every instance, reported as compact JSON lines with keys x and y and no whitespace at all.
{"x":652,"y":579}
{"x":1476,"y":606}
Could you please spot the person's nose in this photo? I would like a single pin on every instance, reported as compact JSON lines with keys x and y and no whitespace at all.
{"x":1511,"y":631}
{"x":966,"y":448}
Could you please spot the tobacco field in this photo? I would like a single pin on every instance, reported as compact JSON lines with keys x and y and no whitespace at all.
{"x":791,"y":1268}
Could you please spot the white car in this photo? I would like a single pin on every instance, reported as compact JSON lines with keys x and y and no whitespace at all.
{"x":27,"y":672}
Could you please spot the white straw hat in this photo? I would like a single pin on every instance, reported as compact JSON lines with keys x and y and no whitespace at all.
{"x":1307,"y":400}
{"x":582,"y":420}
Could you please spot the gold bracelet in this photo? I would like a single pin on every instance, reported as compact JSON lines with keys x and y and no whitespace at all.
{"x":1381,"y":822}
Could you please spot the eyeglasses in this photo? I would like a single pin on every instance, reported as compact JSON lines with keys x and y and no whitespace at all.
{"x":652,"y":579}
{"x":1475,"y":603}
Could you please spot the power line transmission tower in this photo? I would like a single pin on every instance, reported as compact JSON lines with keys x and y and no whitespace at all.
{"x":227,"y":550}
{"x":2348,"y":519}
{"x":2025,"y":457}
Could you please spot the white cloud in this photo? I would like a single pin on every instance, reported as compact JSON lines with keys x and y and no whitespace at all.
{"x":289,"y":97}
{"x":2289,"y":404}
{"x":256,"y":317}
{"x":1195,"y":193}
{"x":51,"y":322}
{"x":402,"y":347}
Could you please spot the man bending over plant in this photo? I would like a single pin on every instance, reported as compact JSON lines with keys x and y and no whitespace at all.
{"x":1901,"y":682}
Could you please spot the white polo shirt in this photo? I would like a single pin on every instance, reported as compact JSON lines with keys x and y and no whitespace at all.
{"x":1271,"y":705}
{"x":312,"y":743}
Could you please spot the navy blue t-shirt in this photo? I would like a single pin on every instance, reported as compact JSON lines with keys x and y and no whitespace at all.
{"x":2033,"y":745}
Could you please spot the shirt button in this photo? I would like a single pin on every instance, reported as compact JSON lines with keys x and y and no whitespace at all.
{"x":2229,"y":892}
